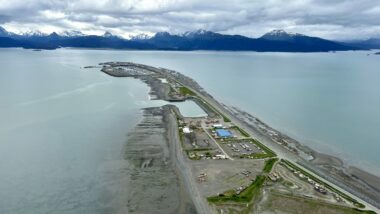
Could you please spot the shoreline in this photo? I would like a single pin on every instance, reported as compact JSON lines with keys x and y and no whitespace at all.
{"x":333,"y":153}
{"x":354,"y":180}
{"x":154,"y":177}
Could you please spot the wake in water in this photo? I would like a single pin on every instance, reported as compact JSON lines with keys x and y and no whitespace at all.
{"x":60,"y":95}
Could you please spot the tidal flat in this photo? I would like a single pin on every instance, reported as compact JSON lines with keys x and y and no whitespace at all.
{"x":154,"y":183}
{"x":286,"y":147}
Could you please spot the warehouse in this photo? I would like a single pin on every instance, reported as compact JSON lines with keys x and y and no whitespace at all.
{"x":223,"y":133}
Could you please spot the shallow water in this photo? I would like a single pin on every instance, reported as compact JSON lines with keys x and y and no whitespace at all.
{"x":62,"y":133}
{"x":63,"y":128}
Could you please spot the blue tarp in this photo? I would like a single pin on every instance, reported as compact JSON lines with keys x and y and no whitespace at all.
{"x":223,"y":133}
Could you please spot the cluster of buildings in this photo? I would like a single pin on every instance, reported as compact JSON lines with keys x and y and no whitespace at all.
{"x":318,"y":187}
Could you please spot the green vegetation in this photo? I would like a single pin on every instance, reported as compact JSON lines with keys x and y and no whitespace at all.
{"x":288,"y":183}
{"x":287,"y":203}
{"x":225,"y":119}
{"x":186,"y":91}
{"x":256,"y":156}
{"x":268,"y":151}
{"x":208,"y":154}
{"x":193,"y":154}
{"x":244,"y":197}
{"x":355,"y":202}
{"x":180,"y":132}
{"x":242,"y":132}
{"x":364,"y":211}
{"x":269,"y":164}
{"x":199,"y":149}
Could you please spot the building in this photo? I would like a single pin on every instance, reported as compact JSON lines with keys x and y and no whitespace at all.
{"x":223,"y":133}
{"x":219,"y":126}
{"x":220,"y":156}
{"x":186,"y":130}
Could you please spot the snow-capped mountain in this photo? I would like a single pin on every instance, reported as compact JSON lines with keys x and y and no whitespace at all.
{"x":71,"y":33}
{"x":141,"y":36}
{"x":277,"y":40}
{"x":33,"y":33}
{"x":108,"y":34}
{"x":198,"y":33}
{"x":280,"y":35}
{"x":5,"y":33}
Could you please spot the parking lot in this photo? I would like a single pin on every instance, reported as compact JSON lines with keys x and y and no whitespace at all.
{"x":237,"y":148}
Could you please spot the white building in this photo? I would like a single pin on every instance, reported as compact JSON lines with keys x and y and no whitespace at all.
{"x":217,"y":125}
{"x":186,"y":130}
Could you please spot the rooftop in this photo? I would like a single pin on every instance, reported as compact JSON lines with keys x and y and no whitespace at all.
{"x":223,"y":133}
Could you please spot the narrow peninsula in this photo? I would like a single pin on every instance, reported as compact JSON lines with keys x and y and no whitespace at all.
{"x":229,"y":161}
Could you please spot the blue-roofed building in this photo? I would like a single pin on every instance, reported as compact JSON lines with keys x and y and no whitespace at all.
{"x":223,"y":133}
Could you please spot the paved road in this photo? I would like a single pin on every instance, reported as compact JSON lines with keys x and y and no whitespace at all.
{"x":225,"y":153}
{"x":279,"y":150}
{"x":184,"y":168}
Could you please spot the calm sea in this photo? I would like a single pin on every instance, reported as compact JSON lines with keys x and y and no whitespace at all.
{"x":63,"y":128}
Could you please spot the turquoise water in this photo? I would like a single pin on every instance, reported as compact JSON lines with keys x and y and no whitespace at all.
{"x":63,"y":128}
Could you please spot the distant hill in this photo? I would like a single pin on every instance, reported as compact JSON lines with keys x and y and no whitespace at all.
{"x":9,"y":42}
{"x":304,"y":43}
{"x":277,"y":40}
{"x":372,"y":43}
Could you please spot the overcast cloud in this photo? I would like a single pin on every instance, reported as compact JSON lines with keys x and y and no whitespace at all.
{"x":332,"y":19}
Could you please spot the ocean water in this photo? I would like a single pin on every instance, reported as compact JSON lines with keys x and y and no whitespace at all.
{"x":63,"y":128}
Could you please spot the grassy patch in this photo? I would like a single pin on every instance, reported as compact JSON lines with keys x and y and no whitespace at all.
{"x":186,"y":91}
{"x":242,"y":132}
{"x":364,"y":211}
{"x":244,"y":197}
{"x":288,"y":183}
{"x":355,"y":202}
{"x":193,"y":154}
{"x":297,"y":204}
{"x":256,"y":156}
{"x":269,"y":164}
{"x":225,"y":119}
{"x":264,"y":148}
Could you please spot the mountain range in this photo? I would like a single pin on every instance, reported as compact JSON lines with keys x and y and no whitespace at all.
{"x":276,"y":40}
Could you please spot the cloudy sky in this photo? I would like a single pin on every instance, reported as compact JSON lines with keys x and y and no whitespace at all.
{"x":332,"y":19}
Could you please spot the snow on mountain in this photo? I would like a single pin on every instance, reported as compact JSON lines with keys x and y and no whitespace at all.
{"x":280,"y":35}
{"x":5,"y":33}
{"x":34,"y":33}
{"x":198,"y":33}
{"x":108,"y":34}
{"x":141,"y":36}
{"x":71,"y":33}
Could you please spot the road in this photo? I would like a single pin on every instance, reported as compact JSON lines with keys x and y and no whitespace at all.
{"x":184,"y":168}
{"x":217,"y":144}
{"x":279,"y":150}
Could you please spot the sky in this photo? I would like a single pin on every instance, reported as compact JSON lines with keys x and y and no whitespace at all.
{"x":330,"y":19}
